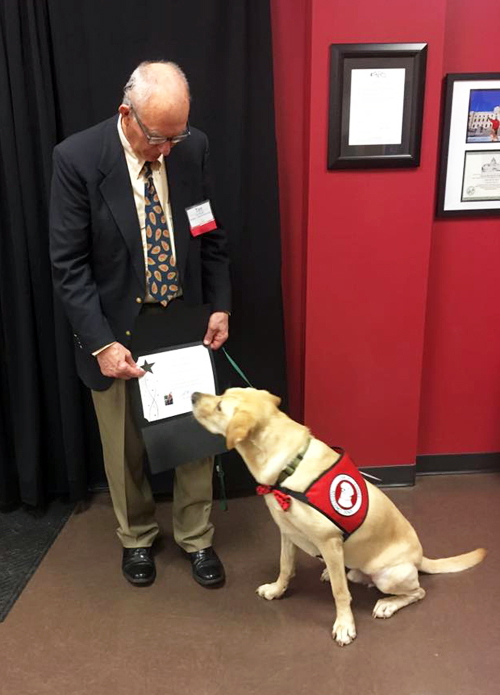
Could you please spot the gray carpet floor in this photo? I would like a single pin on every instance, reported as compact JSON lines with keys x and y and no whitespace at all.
{"x":24,"y":540}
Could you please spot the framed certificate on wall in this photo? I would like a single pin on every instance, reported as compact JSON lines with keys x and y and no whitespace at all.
{"x":469,"y":176}
{"x":376,"y":104}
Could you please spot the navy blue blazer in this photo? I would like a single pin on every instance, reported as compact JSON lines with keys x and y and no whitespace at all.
{"x":95,"y":240}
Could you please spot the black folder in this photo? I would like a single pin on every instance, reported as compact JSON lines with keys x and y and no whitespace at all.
{"x":175,"y":440}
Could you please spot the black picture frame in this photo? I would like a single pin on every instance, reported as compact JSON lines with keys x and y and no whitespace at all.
{"x":379,"y":57}
{"x":465,"y":191}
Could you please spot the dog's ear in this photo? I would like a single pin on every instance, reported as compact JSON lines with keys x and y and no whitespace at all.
{"x":239,"y":428}
{"x":275,"y":400}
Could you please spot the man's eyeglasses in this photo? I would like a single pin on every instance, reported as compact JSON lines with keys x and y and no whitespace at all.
{"x":159,"y":139}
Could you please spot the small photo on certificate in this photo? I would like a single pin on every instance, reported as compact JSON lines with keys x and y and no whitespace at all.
{"x":171,"y":377}
{"x":481,"y":179}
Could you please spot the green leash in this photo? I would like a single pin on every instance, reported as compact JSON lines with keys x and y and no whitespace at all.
{"x":218,"y":458}
{"x":235,"y":367}
{"x":222,"y":485}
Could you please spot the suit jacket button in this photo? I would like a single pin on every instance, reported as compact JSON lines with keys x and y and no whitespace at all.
{"x":128,"y":333}
{"x":138,"y":300}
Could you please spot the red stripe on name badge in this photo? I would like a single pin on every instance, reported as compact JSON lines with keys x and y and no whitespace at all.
{"x":203,"y":228}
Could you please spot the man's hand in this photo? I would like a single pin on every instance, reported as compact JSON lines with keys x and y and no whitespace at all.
{"x":116,"y":361}
{"x":217,"y":331}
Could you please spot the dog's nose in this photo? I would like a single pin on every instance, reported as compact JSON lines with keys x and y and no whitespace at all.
{"x":195,"y":396}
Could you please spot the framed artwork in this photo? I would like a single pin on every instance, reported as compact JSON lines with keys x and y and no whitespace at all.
{"x":376,"y":104}
{"x":469,"y":176}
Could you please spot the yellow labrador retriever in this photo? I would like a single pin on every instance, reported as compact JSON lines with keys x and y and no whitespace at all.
{"x":384,"y":551}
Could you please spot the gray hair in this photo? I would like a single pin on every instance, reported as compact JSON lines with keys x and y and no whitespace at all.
{"x":143,"y":84}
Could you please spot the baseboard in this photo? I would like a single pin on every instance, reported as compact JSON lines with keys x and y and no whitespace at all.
{"x":440,"y":464}
{"x":391,"y":476}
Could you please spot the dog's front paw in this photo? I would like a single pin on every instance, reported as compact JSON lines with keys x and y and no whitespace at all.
{"x":325,"y":577}
{"x":344,"y":631}
{"x":270,"y":591}
{"x":385,"y":608}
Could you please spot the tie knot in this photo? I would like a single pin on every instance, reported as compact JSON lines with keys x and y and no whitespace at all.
{"x":148,"y":171}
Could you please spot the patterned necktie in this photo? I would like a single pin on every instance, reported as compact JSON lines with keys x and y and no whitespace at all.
{"x":161,"y":273}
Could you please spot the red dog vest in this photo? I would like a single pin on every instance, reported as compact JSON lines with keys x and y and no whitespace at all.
{"x":340,"y":493}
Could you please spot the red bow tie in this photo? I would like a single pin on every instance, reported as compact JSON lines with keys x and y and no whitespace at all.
{"x":283,"y":499}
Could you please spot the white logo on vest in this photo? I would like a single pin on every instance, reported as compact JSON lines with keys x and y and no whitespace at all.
{"x":345,"y":495}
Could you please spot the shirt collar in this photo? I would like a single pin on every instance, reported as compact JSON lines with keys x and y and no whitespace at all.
{"x":135,"y":164}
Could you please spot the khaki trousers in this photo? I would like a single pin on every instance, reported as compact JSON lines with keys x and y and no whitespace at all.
{"x":123,"y":451}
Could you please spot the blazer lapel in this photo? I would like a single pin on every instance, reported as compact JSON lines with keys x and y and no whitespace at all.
{"x":179,"y":199}
{"x":117,"y":191}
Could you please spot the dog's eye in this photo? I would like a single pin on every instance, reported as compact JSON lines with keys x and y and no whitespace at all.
{"x":218,"y":406}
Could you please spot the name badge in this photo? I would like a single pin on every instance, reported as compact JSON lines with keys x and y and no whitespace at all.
{"x":201,"y":218}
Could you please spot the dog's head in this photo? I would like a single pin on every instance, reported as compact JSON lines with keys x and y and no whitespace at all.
{"x":236,"y":413}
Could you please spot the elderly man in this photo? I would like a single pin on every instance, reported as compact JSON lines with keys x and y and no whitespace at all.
{"x":121,"y":243}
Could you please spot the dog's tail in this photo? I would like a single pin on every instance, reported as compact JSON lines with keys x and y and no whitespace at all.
{"x":453,"y":564}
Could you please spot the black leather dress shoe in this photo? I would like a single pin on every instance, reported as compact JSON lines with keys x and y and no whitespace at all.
{"x":207,"y":568}
{"x":138,"y":566}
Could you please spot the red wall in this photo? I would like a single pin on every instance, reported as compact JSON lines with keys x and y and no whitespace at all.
{"x":383,"y":304}
{"x":460,"y":405}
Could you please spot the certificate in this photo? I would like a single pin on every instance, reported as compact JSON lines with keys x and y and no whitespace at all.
{"x":376,"y":104}
{"x":168,"y":345}
{"x":377,"y":99}
{"x":481,"y":178}
{"x":171,"y":377}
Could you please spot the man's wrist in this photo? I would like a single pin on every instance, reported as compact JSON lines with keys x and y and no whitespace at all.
{"x":97,"y":352}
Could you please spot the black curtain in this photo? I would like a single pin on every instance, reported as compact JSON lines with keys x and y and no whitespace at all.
{"x":63,"y":65}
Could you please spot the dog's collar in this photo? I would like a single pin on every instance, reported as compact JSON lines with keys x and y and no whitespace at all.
{"x":292,"y":466}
